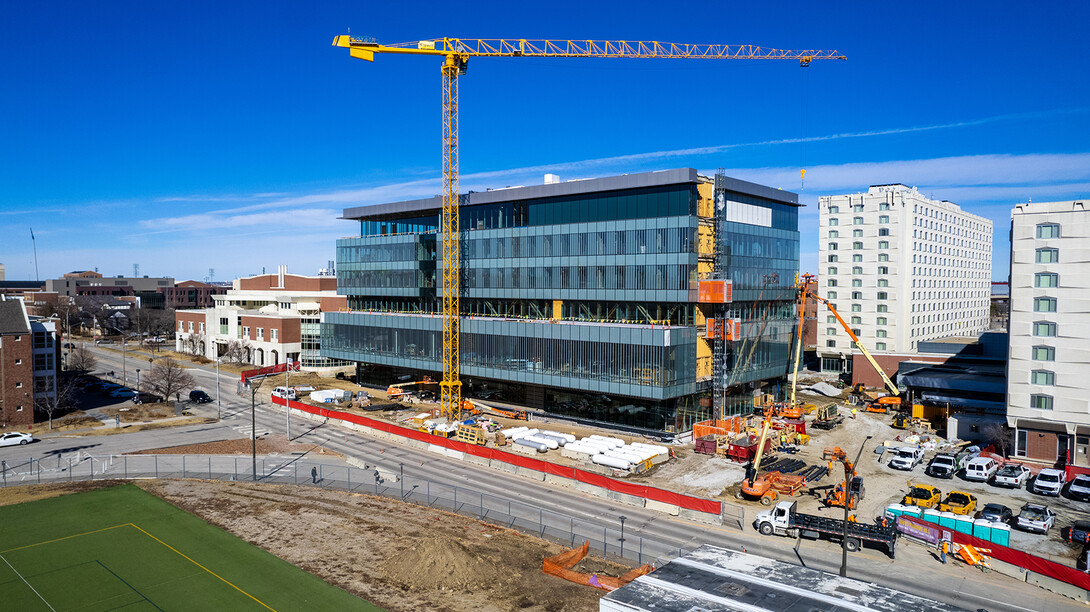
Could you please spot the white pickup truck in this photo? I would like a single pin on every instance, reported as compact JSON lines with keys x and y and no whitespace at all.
{"x":907,"y":457}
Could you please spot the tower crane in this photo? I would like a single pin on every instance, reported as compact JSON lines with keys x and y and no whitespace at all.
{"x":455,"y":53}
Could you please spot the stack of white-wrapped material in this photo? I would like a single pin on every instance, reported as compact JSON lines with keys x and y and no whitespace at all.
{"x":535,"y":438}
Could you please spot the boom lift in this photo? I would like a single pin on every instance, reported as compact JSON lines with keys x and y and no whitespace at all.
{"x":456,"y":53}
{"x":882,"y":404}
{"x":767,"y":487}
{"x":851,"y":490}
{"x":398,"y":390}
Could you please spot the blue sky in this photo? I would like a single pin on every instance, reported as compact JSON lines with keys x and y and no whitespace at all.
{"x":230,"y":135}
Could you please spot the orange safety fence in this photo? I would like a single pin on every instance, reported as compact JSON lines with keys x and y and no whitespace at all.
{"x":720,"y":427}
{"x":560,"y":566}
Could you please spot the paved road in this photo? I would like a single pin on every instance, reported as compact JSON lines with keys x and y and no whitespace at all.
{"x":915,"y":569}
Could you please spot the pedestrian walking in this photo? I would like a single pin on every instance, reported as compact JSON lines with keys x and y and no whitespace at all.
{"x":943,"y":549}
{"x":853,"y":412}
{"x":314,"y":474}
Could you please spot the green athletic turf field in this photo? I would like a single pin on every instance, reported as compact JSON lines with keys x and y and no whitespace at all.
{"x":123,"y":549}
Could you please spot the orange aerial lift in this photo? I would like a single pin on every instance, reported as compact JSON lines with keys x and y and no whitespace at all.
{"x":455,"y":53}
{"x":396,"y":391}
{"x":849,"y":491}
{"x":767,"y":487}
{"x":882,"y":404}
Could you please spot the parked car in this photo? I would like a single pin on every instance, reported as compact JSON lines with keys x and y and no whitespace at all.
{"x":958,"y":502}
{"x":146,"y":398}
{"x":1035,"y":517}
{"x":996,"y":512}
{"x":1012,"y":475}
{"x":1079,"y":531}
{"x":15,"y":438}
{"x":1049,"y":482}
{"x":284,"y":392}
{"x":199,"y":397}
{"x":942,"y":466}
{"x":981,"y":468}
{"x":1079,"y":488}
{"x":69,"y":345}
{"x":123,"y":393}
{"x":907,"y":457}
{"x":923,"y":496}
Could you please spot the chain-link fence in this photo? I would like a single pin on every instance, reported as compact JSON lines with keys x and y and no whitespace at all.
{"x":609,"y":540}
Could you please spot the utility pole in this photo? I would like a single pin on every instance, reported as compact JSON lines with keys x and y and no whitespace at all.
{"x":124,"y":366}
{"x":287,"y":398}
{"x":848,"y":502}
{"x":219,"y":406}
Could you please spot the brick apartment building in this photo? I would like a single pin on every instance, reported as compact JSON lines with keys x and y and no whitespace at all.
{"x":28,"y":363}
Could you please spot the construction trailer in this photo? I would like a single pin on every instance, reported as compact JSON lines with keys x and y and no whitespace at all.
{"x":713,"y":579}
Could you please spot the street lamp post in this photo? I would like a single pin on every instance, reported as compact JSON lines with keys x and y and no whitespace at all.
{"x":287,"y":408}
{"x":219,"y":406}
{"x":138,"y":380}
{"x":253,"y":427}
{"x":847,"y":502}
{"x":623,"y":519}
{"x":124,"y":366}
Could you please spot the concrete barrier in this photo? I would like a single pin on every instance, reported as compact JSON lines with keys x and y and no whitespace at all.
{"x":439,"y":450}
{"x":474,"y":459}
{"x":558,"y":480}
{"x":503,"y":465}
{"x":1007,"y":569}
{"x":454,"y":454}
{"x":700,"y":517}
{"x":536,"y":475}
{"x":1057,"y":586}
{"x":662,"y":507}
{"x":625,"y":498}
{"x":589,"y":488}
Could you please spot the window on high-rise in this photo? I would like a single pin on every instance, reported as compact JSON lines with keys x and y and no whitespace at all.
{"x":883,"y":270}
{"x":831,"y":282}
{"x":1048,"y":255}
{"x":1044,"y":329}
{"x":883,"y":206}
{"x":857,"y":208}
{"x":830,"y":343}
{"x":884,"y":231}
{"x":833,"y":259}
{"x":830,"y":331}
{"x":858,"y":332}
{"x":857,"y":220}
{"x":857,"y":246}
{"x":883,"y":257}
{"x":881,"y":333}
{"x":857,"y":308}
{"x":834,"y":234}
{"x":1040,"y":402}
{"x":832,"y":270}
{"x":831,"y":295}
{"x":881,"y":321}
{"x":832,"y":246}
{"x":1044,"y":304}
{"x":883,"y":218}
{"x":833,"y":210}
{"x":857,"y":258}
{"x":830,"y":319}
{"x":1042,"y":377}
{"x":879,"y":346}
{"x":857,"y":295}
{"x":834,"y":221}
{"x":883,"y":244}
{"x":883,"y":308}
{"x":857,"y":269}
{"x":857,"y":282}
{"x":1046,"y":279}
{"x":857,"y":320}
{"x":1048,"y":230}
{"x":1044,"y":354}
{"x":882,"y":295}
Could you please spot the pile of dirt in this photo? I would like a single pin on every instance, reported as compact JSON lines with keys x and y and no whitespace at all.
{"x":400,"y":556}
{"x":266,"y":445}
{"x":442,"y":562}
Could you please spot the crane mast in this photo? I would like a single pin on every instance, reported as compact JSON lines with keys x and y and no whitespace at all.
{"x":456,"y":53}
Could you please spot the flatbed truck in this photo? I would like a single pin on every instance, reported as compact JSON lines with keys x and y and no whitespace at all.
{"x":784,"y":520}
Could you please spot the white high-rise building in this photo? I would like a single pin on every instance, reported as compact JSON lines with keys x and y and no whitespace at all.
{"x":900,"y":268}
{"x":1047,"y":403}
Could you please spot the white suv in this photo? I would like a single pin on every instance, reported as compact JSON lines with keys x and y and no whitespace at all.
{"x":1079,"y":488}
{"x":907,"y":458}
{"x":1050,"y":482}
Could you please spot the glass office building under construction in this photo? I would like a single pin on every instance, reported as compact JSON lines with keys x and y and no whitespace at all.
{"x":616,"y":299}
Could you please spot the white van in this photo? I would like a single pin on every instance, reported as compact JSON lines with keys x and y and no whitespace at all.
{"x":981,"y":468}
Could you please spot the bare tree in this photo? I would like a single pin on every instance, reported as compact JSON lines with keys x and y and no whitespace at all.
{"x":237,"y":352}
{"x":61,"y":402}
{"x":168,"y":377}
{"x":999,"y":436}
{"x":81,"y":359}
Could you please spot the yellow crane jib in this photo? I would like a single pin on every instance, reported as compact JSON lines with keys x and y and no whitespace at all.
{"x":456,"y":52}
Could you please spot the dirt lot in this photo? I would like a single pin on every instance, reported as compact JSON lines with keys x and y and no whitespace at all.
{"x":266,"y":445}
{"x":73,"y":420}
{"x":400,"y":556}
